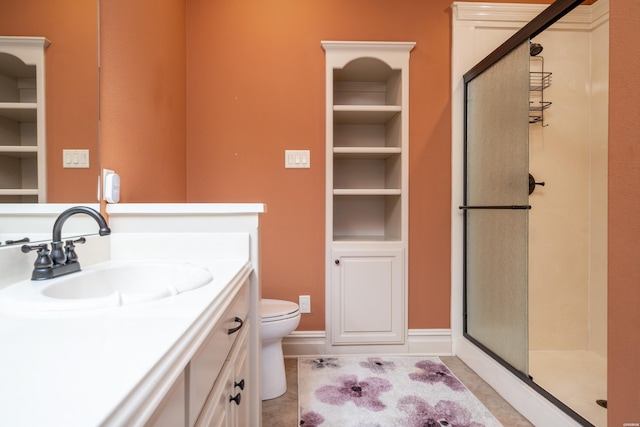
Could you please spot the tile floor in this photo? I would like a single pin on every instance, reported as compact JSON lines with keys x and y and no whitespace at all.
{"x":283,"y":411}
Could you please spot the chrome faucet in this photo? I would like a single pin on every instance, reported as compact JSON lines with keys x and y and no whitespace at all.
{"x":63,"y":259}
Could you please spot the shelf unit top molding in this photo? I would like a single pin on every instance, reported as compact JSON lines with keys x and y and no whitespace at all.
{"x":364,"y":46}
{"x":29,"y":49}
{"x":395,"y":54}
{"x":24,"y":41}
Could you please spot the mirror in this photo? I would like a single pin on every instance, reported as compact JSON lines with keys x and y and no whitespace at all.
{"x":71,"y":83}
{"x":72,"y":90}
{"x":19,"y":222}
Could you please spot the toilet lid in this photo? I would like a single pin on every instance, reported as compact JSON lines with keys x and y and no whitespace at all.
{"x":273,"y":308}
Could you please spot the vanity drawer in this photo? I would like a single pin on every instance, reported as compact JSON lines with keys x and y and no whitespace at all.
{"x":207,"y":363}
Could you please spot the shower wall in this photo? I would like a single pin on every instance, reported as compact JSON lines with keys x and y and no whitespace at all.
{"x":568,"y":223}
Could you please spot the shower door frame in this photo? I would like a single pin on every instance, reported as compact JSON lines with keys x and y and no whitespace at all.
{"x":544,"y":20}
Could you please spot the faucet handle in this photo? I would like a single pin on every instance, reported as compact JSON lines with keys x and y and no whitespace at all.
{"x":28,"y":248}
{"x":69,"y":249}
{"x":43,"y":260}
{"x":15,"y":242}
{"x":71,"y":244}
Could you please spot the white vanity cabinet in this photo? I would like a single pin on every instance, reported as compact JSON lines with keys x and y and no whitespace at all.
{"x":22,"y":120}
{"x":157,"y":363}
{"x":214,"y":388}
{"x":229,"y":402}
{"x":367,"y":193}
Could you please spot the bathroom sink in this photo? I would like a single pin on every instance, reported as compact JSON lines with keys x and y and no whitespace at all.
{"x":106,"y":285}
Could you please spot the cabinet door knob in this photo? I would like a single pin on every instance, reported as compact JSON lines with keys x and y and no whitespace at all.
{"x":235,"y":398}
{"x":337,"y":262}
{"x":240,"y":384}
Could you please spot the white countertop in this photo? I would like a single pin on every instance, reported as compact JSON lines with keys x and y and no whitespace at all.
{"x":96,"y":367}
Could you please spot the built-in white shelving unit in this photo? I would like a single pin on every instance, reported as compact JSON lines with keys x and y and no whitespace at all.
{"x":22,"y":120}
{"x":367,"y":122}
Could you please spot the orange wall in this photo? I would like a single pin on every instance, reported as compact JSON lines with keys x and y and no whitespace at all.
{"x":71,"y":85}
{"x":143,"y":96}
{"x":624,"y":215}
{"x":255,"y":84}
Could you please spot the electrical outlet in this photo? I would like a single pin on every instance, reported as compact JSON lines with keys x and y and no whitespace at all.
{"x":305,"y":303}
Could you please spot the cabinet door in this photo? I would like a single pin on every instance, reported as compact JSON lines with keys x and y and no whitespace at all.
{"x":217,"y":410}
{"x":209,"y":359}
{"x":368,"y":296}
{"x":242,"y":382}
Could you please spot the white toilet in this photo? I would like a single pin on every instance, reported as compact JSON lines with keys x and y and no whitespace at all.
{"x":279,"y":318}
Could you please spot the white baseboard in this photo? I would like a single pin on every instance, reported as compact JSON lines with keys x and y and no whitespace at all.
{"x":521,"y":396}
{"x":304,"y":343}
{"x":433,"y":342}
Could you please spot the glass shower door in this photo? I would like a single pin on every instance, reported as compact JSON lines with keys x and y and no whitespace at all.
{"x":496,"y":208}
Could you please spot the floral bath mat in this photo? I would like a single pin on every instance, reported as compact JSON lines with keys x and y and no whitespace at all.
{"x":385,"y":392}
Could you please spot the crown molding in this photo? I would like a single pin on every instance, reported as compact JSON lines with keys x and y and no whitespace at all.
{"x":515,"y":15}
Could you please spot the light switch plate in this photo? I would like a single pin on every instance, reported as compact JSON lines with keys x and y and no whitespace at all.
{"x":75,"y":158}
{"x":297,"y":159}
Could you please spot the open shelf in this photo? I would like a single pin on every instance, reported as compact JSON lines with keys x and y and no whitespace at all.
{"x":22,"y":134}
{"x":358,"y":134}
{"x":367,"y":172}
{"x":375,"y":216}
{"x":367,"y":151}
{"x":19,"y":111}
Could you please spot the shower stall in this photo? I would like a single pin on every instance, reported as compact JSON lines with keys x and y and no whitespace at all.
{"x":568,"y":224}
{"x":535,"y":204}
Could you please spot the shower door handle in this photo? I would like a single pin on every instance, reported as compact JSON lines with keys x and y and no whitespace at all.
{"x":497,"y":207}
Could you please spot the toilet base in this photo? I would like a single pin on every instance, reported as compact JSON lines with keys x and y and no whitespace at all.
{"x":274,"y":378}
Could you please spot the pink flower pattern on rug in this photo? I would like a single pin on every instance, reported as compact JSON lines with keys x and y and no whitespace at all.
{"x":444,"y":413}
{"x":378,"y":365}
{"x":433,"y":372}
{"x":311,"y":419}
{"x":362,"y":393}
{"x":380,"y":392}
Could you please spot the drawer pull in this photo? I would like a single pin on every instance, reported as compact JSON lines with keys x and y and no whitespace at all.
{"x":240,"y":384}
{"x":237,"y":328}
{"x":235,"y":398}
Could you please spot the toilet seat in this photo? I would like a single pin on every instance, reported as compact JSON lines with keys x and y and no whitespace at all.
{"x":272,"y":310}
